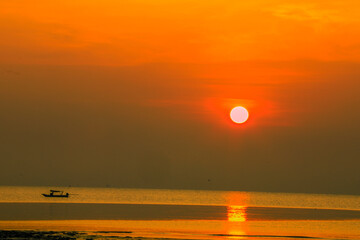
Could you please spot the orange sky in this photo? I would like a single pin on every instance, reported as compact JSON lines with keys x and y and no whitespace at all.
{"x":133,"y":32}
{"x":147,"y":86}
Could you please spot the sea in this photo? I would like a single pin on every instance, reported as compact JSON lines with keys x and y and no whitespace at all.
{"x":110,"y":213}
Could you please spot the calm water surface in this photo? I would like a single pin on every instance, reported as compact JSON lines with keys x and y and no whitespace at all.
{"x":180,"y":197}
{"x":183,"y":213}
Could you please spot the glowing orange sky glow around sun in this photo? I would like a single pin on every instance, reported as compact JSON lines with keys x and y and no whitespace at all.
{"x":239,"y":115}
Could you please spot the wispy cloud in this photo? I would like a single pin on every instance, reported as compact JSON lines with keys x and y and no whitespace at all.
{"x":305,"y":12}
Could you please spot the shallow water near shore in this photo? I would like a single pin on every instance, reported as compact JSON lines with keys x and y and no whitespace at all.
{"x":179,"y":214}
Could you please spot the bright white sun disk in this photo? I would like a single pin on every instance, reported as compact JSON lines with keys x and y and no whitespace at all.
{"x":239,"y":114}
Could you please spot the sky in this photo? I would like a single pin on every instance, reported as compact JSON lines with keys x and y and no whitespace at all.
{"x":137,"y":94}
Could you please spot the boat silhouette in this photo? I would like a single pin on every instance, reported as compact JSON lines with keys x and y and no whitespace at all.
{"x":56,"y":193}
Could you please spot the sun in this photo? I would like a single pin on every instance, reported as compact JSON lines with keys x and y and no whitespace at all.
{"x":239,"y":114}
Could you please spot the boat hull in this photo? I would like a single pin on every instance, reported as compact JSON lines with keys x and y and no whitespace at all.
{"x":56,"y":196}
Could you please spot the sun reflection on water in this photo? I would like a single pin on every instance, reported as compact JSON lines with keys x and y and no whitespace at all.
{"x":236,"y":213}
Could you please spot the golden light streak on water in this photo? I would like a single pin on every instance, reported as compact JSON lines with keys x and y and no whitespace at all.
{"x":236,"y":213}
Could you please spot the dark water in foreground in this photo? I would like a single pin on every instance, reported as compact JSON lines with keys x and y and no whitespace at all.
{"x":156,"y":214}
{"x":91,"y":211}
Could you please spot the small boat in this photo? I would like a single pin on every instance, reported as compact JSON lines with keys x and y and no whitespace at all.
{"x":56,"y":193}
